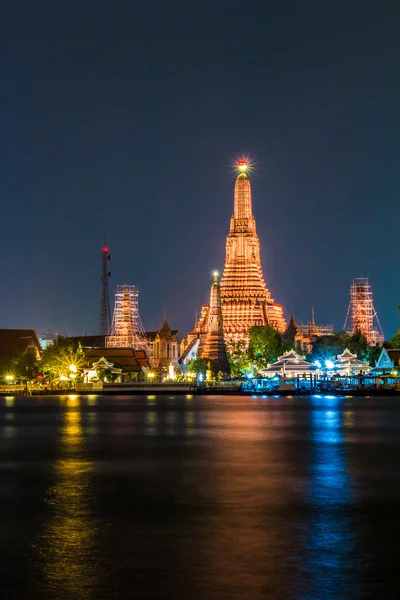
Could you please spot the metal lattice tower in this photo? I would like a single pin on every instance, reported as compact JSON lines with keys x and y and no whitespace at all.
{"x":105,"y":313}
{"x":362,"y":313}
{"x":126,"y":330}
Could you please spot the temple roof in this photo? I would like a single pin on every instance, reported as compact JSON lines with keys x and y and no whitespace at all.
{"x":130,"y":360}
{"x":290,"y":362}
{"x":292,"y":329}
{"x":346,"y":355}
{"x":348,"y":361}
{"x":14,"y":342}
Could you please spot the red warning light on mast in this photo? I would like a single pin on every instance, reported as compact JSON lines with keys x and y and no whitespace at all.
{"x":105,"y":249}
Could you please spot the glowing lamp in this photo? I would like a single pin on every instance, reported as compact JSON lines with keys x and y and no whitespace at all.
{"x":317,"y":364}
{"x":329,"y":364}
{"x":105,"y":249}
{"x":72,"y":368}
{"x":243,"y":165}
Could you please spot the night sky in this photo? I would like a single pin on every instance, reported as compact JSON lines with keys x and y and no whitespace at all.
{"x":128,"y":116}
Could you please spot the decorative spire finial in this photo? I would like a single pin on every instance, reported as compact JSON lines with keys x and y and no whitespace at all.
{"x":242,"y":165}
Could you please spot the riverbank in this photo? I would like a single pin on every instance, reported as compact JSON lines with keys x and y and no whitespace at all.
{"x":167,"y":390}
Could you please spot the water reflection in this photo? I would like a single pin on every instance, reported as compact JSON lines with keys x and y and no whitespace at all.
{"x":68,"y":540}
{"x":330,"y":542}
{"x":150,"y":422}
{"x":246,"y":536}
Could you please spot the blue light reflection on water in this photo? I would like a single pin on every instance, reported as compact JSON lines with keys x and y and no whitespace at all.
{"x":329,"y":538}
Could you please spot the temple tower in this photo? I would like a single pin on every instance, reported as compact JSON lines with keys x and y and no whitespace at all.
{"x":245,"y":299}
{"x":126,"y":329}
{"x":362,"y":314}
{"x":212,"y":345}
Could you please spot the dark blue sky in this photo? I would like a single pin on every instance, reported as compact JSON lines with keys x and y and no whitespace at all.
{"x":128,"y":115}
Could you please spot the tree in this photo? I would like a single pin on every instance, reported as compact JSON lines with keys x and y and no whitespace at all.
{"x":200,"y":365}
{"x":26,"y":366}
{"x":60,"y":356}
{"x":265,"y":346}
{"x":395,"y":341}
{"x":329,"y":346}
{"x":238,"y":357}
{"x":357,"y":344}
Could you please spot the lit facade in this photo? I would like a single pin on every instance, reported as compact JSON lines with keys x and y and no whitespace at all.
{"x":164,"y":346}
{"x":362,"y":313}
{"x":245,"y":299}
{"x":303,"y":336}
{"x":126,"y":329}
{"x":207,"y":340}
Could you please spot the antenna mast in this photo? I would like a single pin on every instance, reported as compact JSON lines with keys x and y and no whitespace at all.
{"x":105,"y":313}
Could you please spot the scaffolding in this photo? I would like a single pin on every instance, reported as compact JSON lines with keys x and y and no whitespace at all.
{"x":127,"y":330}
{"x":312,"y":330}
{"x":362,"y":314}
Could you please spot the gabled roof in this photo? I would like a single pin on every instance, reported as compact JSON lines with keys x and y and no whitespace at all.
{"x":290,"y":362}
{"x":188,"y":349}
{"x":130,"y":360}
{"x":151,"y":335}
{"x":346,"y":355}
{"x":291,"y":355}
{"x":102,"y":363}
{"x":348,"y":361}
{"x":14,"y":342}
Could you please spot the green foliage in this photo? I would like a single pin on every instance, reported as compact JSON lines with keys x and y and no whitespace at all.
{"x":58,"y":356}
{"x":25,"y":367}
{"x":198,"y":365}
{"x":107,"y":375}
{"x":329,"y":346}
{"x":395,"y":341}
{"x":131,"y":377}
{"x":265,"y":346}
{"x":238,"y":358}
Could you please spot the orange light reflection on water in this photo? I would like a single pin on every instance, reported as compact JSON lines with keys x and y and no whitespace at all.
{"x":67,"y":541}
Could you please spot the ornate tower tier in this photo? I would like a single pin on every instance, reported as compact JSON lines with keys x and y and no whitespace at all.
{"x":245,"y":299}
{"x":212,"y":345}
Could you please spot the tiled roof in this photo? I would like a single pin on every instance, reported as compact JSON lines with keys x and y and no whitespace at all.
{"x":130,"y":360}
{"x":151,"y":335}
{"x":14,"y":342}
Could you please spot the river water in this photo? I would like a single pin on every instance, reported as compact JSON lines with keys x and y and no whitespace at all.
{"x":196,"y":497}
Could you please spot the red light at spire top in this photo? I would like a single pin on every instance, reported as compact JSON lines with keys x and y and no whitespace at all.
{"x":243,"y":165}
{"x":105,"y":249}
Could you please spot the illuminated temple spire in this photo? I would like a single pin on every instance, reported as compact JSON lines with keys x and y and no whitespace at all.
{"x":212,"y":346}
{"x":245,"y":299}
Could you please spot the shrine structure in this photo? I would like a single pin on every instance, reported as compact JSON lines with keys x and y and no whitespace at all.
{"x":206,"y":341}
